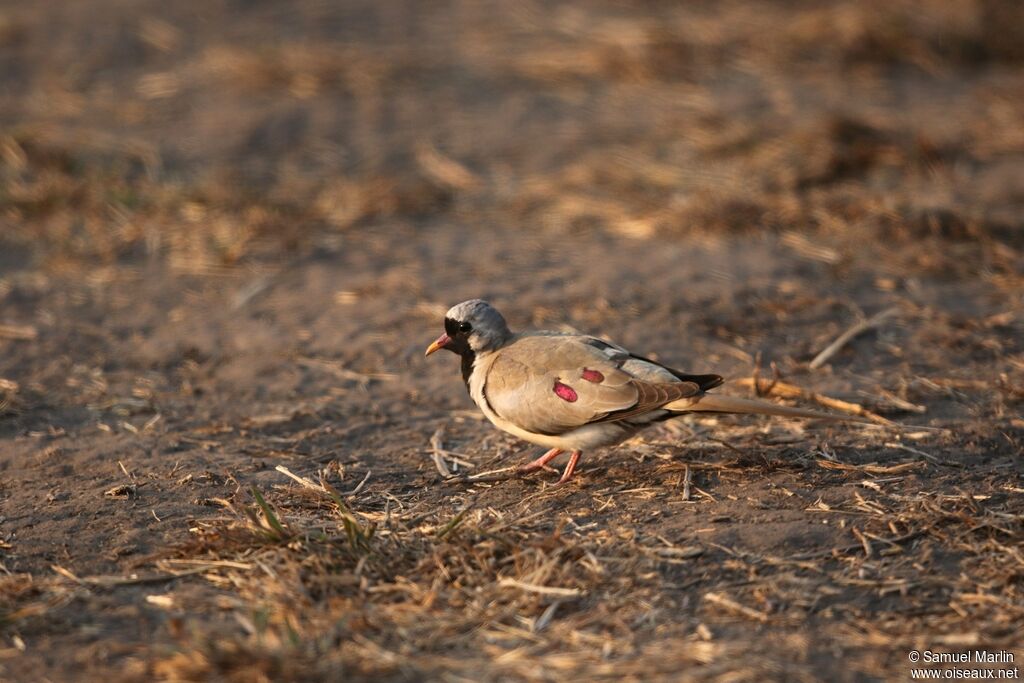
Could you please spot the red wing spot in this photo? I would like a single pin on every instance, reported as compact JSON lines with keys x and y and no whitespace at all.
{"x":565,"y":392}
{"x":592,"y":376}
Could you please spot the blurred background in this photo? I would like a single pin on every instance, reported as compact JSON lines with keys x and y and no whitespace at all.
{"x":229,"y":228}
{"x":246,"y":178}
{"x":211,"y":136}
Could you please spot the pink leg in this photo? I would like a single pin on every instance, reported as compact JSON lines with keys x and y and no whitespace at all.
{"x":570,"y":467}
{"x":540,"y":462}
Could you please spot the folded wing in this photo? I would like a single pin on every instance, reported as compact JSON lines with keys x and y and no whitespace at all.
{"x":554,"y":384}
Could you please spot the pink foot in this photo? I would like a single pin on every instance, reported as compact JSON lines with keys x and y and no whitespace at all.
{"x":541,"y":462}
{"x":569,"y":468}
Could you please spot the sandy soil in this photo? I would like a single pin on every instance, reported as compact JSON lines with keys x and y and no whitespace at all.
{"x":228,"y":230}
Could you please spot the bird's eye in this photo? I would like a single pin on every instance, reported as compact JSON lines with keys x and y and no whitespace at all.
{"x":465,"y":327}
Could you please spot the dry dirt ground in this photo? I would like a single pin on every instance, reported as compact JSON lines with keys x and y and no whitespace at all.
{"x":229,"y":229}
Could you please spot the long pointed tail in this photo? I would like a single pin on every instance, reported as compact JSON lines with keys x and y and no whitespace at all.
{"x":717,"y":403}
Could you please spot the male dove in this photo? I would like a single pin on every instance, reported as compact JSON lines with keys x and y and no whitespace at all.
{"x":571,"y":392}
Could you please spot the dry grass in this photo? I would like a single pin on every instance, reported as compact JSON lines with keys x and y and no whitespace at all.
{"x":315,"y":589}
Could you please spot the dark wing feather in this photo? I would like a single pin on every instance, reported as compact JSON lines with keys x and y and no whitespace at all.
{"x":651,"y":397}
{"x":705,"y":382}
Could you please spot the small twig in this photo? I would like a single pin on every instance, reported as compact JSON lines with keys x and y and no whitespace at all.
{"x":107,"y":581}
{"x":733,"y":606}
{"x":759,"y":388}
{"x":437,"y":448}
{"x":705,"y":494}
{"x":320,"y":488}
{"x":541,"y":590}
{"x":843,"y":339}
{"x":868,"y":468}
{"x":482,"y":479}
{"x":501,"y":474}
{"x":205,"y":565}
{"x":894,"y":401}
{"x":868,"y":550}
{"x":687,"y":481}
{"x":301,"y":480}
{"x":927,"y":456}
{"x":359,"y":486}
{"x":881,"y":538}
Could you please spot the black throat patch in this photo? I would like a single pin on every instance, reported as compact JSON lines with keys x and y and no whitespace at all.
{"x":468,"y":358}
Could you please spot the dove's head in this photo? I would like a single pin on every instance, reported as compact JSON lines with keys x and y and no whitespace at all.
{"x":472,"y":326}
